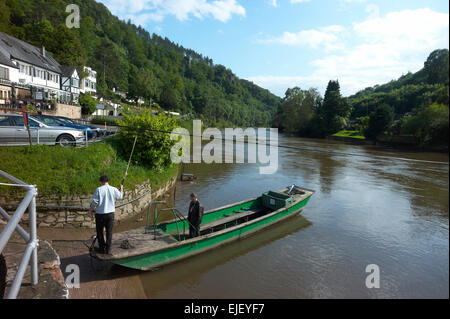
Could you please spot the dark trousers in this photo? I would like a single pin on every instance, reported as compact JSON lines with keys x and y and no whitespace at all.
{"x":194,"y":232}
{"x":104,"y":221}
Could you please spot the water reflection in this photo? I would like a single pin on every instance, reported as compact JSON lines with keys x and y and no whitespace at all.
{"x":191,"y":270}
{"x":366,"y":210}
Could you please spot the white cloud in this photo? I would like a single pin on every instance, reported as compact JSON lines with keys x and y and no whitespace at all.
{"x":142,"y":11}
{"x":377,"y":50}
{"x":273,"y":3}
{"x":327,"y":37}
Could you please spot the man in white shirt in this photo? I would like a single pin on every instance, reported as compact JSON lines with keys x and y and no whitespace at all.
{"x":103,"y":203}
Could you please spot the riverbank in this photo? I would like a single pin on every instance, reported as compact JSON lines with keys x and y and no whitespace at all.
{"x":100,"y":280}
{"x":400,"y":143}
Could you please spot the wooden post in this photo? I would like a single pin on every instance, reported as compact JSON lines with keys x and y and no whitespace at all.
{"x":25,"y":121}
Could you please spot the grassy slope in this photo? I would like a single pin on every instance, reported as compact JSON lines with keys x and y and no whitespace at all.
{"x":58,"y":170}
{"x":351,"y":134}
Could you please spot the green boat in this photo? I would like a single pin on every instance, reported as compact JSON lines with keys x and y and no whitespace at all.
{"x":166,"y":242}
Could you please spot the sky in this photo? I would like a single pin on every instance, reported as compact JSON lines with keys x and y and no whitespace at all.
{"x":278,"y":44}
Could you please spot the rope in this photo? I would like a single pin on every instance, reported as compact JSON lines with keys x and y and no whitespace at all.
{"x":299,"y":148}
{"x":129,"y":160}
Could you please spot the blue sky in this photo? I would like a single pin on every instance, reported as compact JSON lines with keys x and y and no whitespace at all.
{"x":284,"y":43}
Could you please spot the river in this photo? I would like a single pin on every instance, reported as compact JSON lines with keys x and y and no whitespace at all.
{"x":387,"y":212}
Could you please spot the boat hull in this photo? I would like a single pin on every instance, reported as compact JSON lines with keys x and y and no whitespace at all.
{"x":192,"y":247}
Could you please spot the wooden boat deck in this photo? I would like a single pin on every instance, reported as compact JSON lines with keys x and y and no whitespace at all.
{"x":236,"y":215}
{"x":142,"y":242}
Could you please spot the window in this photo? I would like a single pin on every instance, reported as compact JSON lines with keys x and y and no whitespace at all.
{"x":4,"y":121}
{"x":19,"y":121}
{"x":4,"y":73}
{"x":21,"y":68}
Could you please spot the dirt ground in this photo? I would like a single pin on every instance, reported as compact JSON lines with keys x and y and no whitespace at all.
{"x":99,"y":280}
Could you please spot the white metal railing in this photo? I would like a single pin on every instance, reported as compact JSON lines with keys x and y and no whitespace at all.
{"x":30,"y":254}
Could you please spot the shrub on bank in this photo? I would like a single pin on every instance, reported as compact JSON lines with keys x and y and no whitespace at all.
{"x":101,"y":120}
{"x":153,"y":144}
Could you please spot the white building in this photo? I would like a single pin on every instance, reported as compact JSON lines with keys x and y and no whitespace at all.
{"x":70,"y":83}
{"x":37,"y":70}
{"x":8,"y":71}
{"x":89,"y":83}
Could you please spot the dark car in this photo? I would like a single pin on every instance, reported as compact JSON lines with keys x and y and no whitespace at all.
{"x":56,"y":122}
{"x":95,"y":129}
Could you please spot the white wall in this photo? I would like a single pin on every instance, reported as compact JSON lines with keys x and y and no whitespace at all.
{"x":24,"y":76}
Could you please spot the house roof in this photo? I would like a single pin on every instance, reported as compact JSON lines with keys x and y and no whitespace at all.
{"x":5,"y":61}
{"x":13,"y":48}
{"x":67,"y":70}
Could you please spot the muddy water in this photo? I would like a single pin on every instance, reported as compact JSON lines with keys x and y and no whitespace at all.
{"x":387,"y":212}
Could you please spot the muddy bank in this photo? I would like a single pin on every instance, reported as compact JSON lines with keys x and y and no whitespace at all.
{"x":98,"y":280}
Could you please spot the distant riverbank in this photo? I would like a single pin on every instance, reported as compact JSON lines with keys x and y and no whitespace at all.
{"x":401,"y":142}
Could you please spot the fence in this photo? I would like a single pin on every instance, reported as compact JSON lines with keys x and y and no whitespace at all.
{"x":30,"y":254}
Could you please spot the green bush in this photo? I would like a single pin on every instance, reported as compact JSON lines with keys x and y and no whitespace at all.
{"x":152,"y":148}
{"x":88,"y":104}
{"x":103,"y":119}
{"x":429,"y":124}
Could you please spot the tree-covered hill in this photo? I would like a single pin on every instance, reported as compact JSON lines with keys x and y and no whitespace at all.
{"x":415,"y":104}
{"x":132,"y":60}
{"x":410,"y":91}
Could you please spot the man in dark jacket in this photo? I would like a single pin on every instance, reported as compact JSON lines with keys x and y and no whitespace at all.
{"x":194,"y":216}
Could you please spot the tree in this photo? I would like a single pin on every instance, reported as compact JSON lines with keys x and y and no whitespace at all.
{"x":379,"y":121}
{"x":335,"y":108}
{"x":436,"y":67}
{"x":88,"y":104}
{"x":298,"y":109}
{"x":144,"y":85}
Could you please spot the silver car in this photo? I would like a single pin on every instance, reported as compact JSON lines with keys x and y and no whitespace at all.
{"x":14,"y":132}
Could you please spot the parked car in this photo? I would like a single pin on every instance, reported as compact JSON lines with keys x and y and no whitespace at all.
{"x":56,"y":122}
{"x":14,"y":132}
{"x":95,"y":129}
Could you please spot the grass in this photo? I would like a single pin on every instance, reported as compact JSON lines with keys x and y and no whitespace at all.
{"x":58,"y":170}
{"x":102,"y":119}
{"x":350,"y":134}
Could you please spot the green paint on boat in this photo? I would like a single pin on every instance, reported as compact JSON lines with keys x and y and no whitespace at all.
{"x":183,"y":249}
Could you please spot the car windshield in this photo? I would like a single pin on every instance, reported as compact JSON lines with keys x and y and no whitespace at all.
{"x":67,"y":120}
{"x":51,"y":121}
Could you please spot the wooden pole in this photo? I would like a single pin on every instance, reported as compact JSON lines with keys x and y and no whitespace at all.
{"x":25,"y":121}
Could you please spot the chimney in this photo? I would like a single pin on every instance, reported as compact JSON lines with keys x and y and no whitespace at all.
{"x":43,"y":51}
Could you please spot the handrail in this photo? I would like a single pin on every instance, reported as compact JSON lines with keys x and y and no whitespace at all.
{"x":176,"y":213}
{"x":28,"y":203}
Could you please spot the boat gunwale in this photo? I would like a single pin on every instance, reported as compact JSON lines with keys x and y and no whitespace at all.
{"x":112,"y":258}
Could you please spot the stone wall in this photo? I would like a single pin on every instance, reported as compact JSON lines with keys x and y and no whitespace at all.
{"x":65,"y":110}
{"x":70,"y":111}
{"x":134,"y":201}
